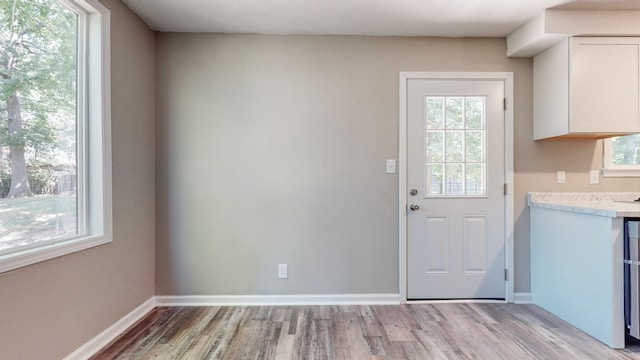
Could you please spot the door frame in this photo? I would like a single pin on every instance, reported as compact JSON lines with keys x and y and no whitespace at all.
{"x":507,"y":77}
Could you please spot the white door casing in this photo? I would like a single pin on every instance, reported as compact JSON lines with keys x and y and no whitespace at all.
{"x":469,"y":247}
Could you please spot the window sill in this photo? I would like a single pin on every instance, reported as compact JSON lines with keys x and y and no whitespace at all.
{"x":621,"y":172}
{"x":23,"y":258}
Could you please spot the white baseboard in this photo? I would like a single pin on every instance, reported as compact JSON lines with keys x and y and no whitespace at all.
{"x":275,"y":300}
{"x":101,"y":340}
{"x":522,"y":298}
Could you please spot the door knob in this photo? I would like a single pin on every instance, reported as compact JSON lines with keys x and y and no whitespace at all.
{"x":413,"y":192}
{"x":414,"y":207}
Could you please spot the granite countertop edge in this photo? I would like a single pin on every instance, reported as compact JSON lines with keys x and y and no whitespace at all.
{"x":609,"y":204}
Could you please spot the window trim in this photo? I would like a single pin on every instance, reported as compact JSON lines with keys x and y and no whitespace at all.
{"x":94,"y":104}
{"x":609,"y":169}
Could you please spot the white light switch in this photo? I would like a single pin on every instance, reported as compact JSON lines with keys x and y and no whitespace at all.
{"x":561,"y":177}
{"x":594,"y":177}
{"x":391,"y":166}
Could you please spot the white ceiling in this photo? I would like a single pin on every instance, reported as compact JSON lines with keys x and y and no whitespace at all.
{"x":455,"y":18}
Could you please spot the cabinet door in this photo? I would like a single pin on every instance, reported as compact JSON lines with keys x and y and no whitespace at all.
{"x":605,"y":92}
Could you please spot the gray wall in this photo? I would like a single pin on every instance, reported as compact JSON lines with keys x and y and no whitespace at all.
{"x":48,"y":310}
{"x":271,"y":149}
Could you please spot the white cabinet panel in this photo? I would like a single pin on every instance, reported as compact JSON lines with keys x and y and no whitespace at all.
{"x":588,"y":87}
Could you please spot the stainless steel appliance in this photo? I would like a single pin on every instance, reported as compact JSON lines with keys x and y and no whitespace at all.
{"x":631,"y":277}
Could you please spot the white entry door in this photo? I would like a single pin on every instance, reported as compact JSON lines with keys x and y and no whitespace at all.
{"x":455,"y":184}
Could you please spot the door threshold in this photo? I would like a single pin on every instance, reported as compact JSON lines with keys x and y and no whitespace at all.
{"x":456,"y":301}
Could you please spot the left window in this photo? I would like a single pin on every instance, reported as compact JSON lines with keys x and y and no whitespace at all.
{"x":54,"y":129}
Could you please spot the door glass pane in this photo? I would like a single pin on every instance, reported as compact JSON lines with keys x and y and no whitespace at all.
{"x":435,"y":112}
{"x":434,"y":176}
{"x":474,"y":112}
{"x":475,"y":179}
{"x":454,"y":179}
{"x":454,"y":112}
{"x":455,"y":146}
{"x":435,"y":146}
{"x":475,"y":146}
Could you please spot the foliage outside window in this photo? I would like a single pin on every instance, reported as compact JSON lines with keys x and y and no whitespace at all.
{"x":622,"y":156}
{"x":52,"y":103}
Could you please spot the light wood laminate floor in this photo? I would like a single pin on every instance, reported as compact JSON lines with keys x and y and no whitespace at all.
{"x":414,"y":331}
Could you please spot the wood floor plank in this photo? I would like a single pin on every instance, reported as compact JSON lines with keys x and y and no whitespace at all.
{"x":415,"y":331}
{"x":189,"y":327}
{"x":209,"y":335}
{"x":369,"y":324}
{"x":350,"y":337}
{"x":138,"y":334}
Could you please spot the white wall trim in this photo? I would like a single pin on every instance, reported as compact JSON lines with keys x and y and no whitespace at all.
{"x":275,"y":300}
{"x":522,"y":298}
{"x":112,"y":332}
{"x":509,"y":150}
{"x":507,"y":77}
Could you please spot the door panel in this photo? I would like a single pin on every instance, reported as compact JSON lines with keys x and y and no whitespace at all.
{"x":475,"y":244}
{"x":455,"y":162}
{"x":436,"y":252}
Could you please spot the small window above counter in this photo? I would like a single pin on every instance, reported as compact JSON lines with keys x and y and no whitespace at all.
{"x":587,"y":87}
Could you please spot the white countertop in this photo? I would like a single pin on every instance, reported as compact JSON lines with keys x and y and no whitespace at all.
{"x":615,"y":204}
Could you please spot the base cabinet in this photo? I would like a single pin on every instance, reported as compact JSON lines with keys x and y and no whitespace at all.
{"x":577,"y":271}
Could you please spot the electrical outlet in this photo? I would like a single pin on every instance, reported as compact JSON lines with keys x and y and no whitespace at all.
{"x":560,"y":175}
{"x":282,"y":271}
{"x":594,"y":177}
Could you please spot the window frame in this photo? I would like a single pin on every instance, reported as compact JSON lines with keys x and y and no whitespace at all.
{"x":444,"y":162}
{"x":609,"y":169}
{"x":95,"y":219}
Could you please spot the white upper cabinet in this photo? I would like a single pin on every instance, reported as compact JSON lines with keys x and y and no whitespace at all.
{"x":587,"y":87}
